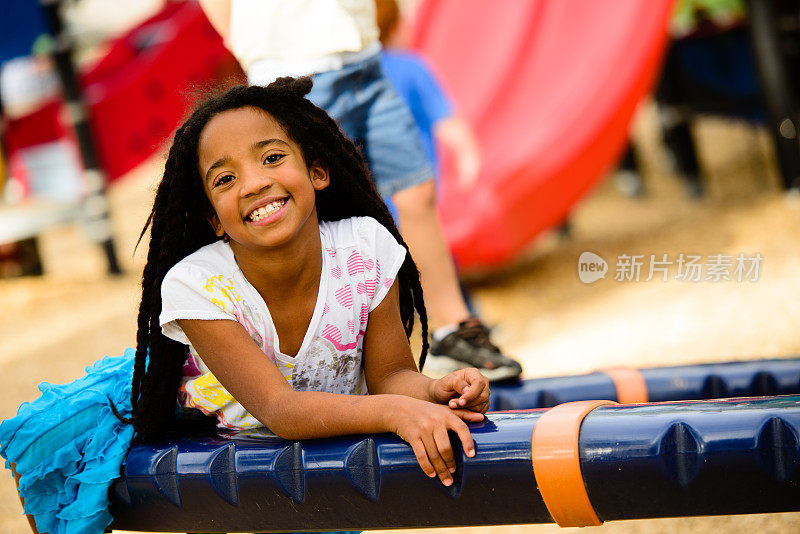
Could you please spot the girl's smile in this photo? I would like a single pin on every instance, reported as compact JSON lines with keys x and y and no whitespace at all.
{"x":256,"y":178}
{"x":266,"y":210}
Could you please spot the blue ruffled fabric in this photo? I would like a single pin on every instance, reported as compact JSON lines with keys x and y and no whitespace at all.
{"x":68,"y":447}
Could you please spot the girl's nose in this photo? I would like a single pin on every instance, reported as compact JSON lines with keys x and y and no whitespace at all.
{"x":254,"y":180}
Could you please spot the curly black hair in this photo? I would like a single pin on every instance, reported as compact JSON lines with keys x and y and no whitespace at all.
{"x":179,"y":225}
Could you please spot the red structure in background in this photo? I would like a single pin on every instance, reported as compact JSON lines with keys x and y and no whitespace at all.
{"x":137,"y":93}
{"x":38,"y":127}
{"x":550,"y":86}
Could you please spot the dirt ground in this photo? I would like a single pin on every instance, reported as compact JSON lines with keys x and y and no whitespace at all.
{"x":53,"y":326}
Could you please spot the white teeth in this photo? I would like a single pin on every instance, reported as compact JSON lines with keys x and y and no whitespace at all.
{"x":265,"y":211}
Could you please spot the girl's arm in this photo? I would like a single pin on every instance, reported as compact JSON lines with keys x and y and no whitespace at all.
{"x":257,"y":384}
{"x":254,"y":381}
{"x":390,"y":367}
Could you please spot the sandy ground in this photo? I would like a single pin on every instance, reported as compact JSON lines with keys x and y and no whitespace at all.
{"x":53,"y":326}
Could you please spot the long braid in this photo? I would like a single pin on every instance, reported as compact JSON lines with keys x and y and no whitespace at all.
{"x":166,"y":367}
{"x":156,"y":379}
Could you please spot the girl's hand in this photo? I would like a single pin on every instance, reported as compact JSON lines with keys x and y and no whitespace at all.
{"x":424,"y":426}
{"x":466,"y":388}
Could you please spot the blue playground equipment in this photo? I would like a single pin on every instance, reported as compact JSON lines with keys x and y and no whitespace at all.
{"x":579,"y":464}
{"x":687,"y":382}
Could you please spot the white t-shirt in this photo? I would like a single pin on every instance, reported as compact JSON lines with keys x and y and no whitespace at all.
{"x":300,"y":30}
{"x":360,"y":260}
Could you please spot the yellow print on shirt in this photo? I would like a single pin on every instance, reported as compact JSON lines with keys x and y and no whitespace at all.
{"x":210,"y":283}
{"x":207,"y":391}
{"x":229,"y":287}
{"x":226,"y":290}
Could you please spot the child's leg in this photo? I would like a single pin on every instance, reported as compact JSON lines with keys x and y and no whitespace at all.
{"x":401,"y":170}
{"x":16,"y":481}
{"x":419,"y":224}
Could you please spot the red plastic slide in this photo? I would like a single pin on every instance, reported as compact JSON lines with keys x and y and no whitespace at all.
{"x":551,"y":86}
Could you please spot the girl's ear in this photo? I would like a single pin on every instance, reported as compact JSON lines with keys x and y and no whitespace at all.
{"x":213,"y":220}
{"x":319,"y":176}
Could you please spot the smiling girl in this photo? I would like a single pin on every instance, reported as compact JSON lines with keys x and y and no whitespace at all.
{"x":277,"y":293}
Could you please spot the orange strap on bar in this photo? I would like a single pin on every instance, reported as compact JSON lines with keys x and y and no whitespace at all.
{"x":630,"y":384}
{"x":556,"y":464}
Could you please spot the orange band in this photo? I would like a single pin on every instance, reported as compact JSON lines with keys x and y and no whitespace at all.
{"x":556,"y":463}
{"x":630,"y":384}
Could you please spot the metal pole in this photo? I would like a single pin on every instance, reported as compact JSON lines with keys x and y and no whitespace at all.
{"x":780,"y":104}
{"x":676,"y":117}
{"x":96,"y":209}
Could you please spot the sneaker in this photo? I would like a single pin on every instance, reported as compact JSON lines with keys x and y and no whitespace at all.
{"x":469,"y":346}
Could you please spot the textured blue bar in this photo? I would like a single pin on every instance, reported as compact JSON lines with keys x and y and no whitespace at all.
{"x":639,"y":461}
{"x":734,"y":456}
{"x":723,"y":380}
{"x":688,"y":382}
{"x":548,"y":392}
{"x":215,"y":484}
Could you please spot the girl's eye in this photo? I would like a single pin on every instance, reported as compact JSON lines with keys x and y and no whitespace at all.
{"x":224,"y":179}
{"x":273,"y":158}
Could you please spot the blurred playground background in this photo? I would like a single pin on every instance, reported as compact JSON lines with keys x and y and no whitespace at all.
{"x":622,"y":128}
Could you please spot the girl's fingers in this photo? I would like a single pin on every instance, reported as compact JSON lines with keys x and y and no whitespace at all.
{"x":461,"y":384}
{"x":464,"y":435}
{"x":445,"y":449}
{"x":474,"y":384}
{"x":422,"y":458}
{"x":469,"y":416}
{"x":460,"y":402}
{"x":481,"y":402}
{"x":436,"y":460}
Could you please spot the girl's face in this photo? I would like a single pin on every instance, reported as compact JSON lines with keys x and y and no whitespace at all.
{"x":255,"y":176}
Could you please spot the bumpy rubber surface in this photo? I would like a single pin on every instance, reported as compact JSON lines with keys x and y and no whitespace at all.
{"x":637,"y":461}
{"x":688,"y":382}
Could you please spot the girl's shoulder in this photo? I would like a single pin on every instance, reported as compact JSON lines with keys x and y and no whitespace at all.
{"x":362,"y":241}
{"x":355,"y":232}
{"x":216,"y":258}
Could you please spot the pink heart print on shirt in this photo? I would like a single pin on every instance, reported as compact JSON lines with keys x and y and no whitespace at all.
{"x":344,"y":296}
{"x":361,"y":288}
{"x":370,"y":288}
{"x":331,"y":251}
{"x":355,"y":264}
{"x":334,"y":335}
{"x":325,"y":309}
{"x":368,"y":264}
{"x":372,"y":283}
{"x":364,"y":315}
{"x":352,"y":326}
{"x":336,"y":272}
